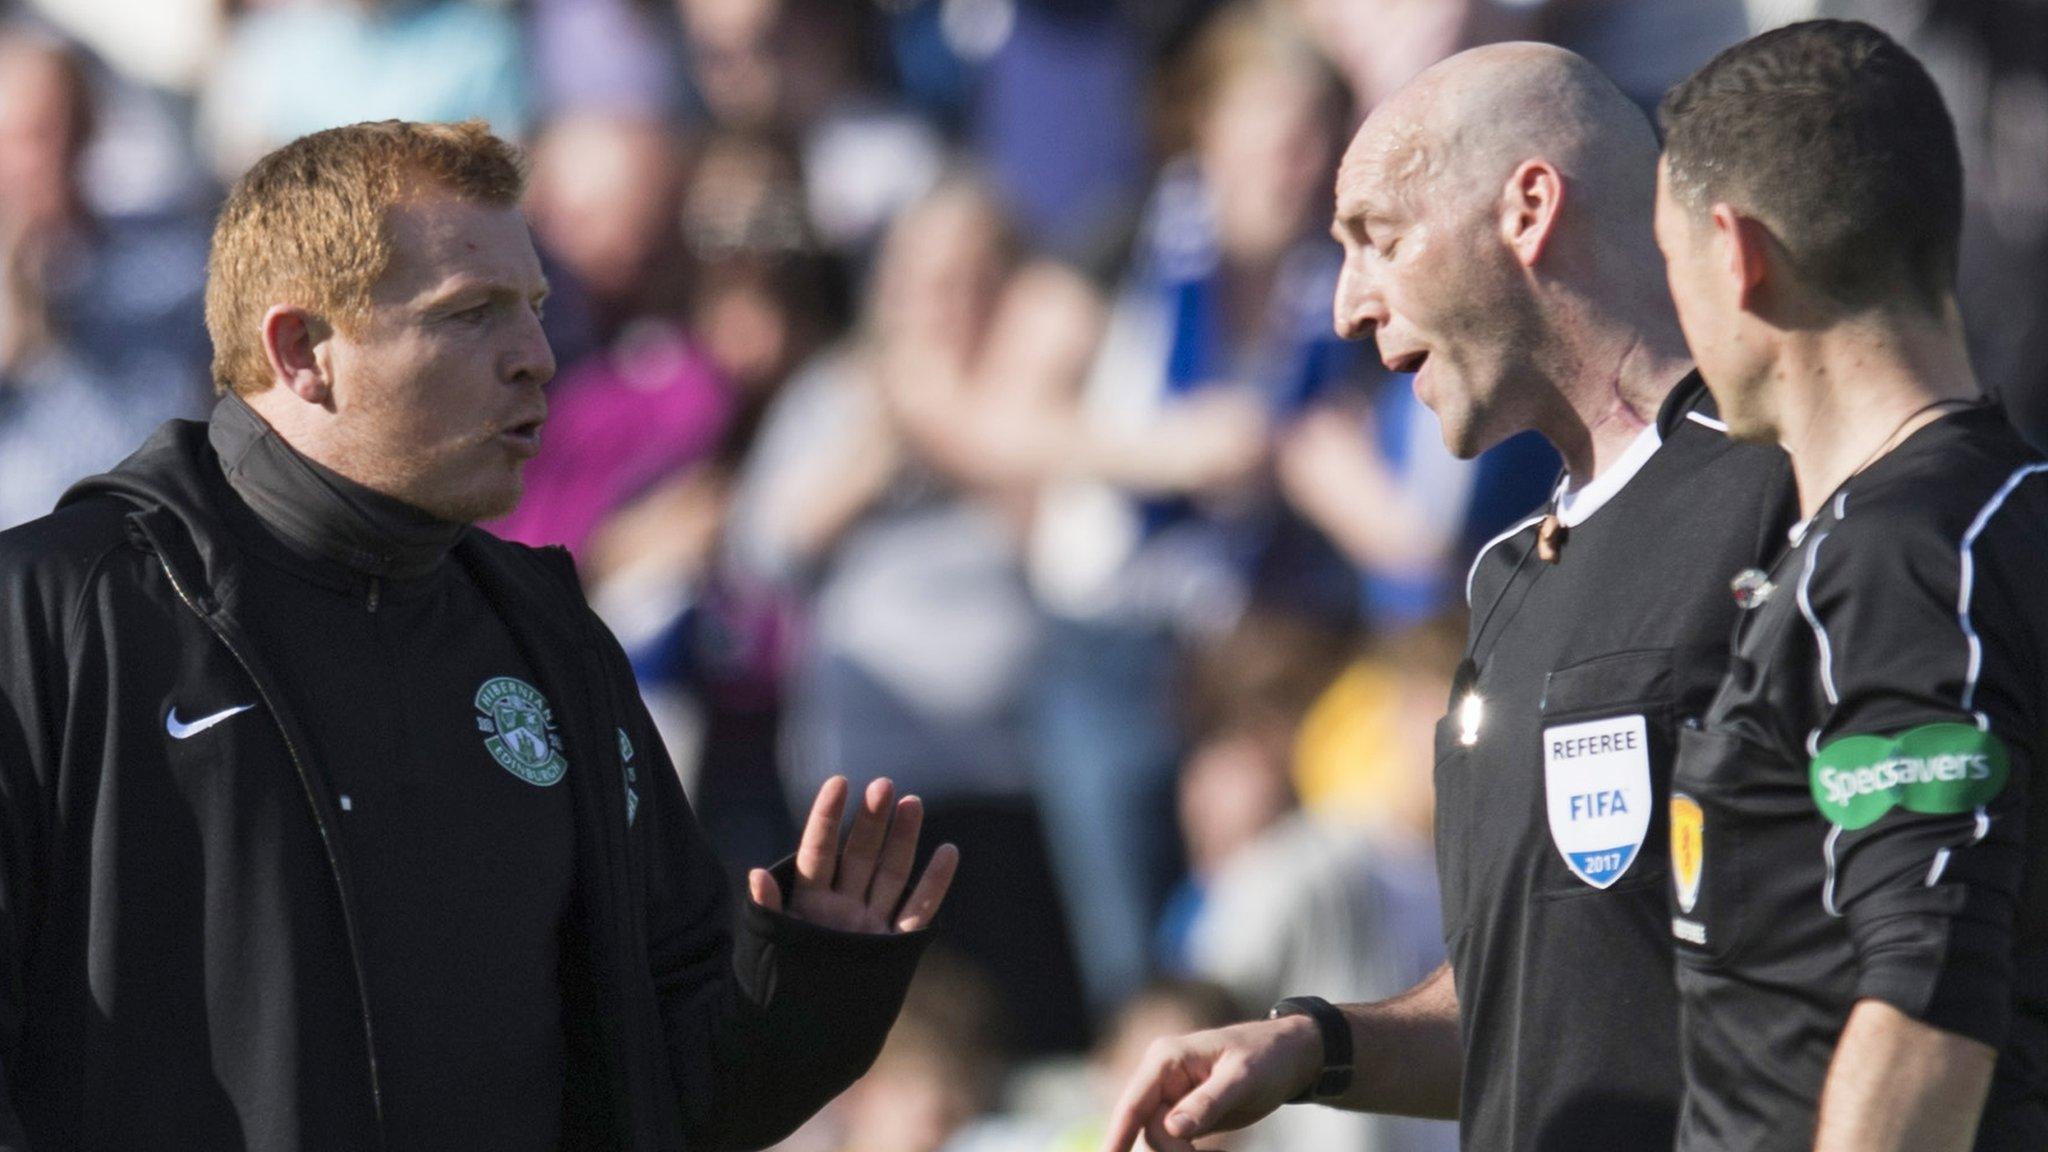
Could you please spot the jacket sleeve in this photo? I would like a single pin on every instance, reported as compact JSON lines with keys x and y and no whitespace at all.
{"x":32,"y":687}
{"x":765,"y":1018}
{"x":19,"y":801}
{"x":1923,"y":764}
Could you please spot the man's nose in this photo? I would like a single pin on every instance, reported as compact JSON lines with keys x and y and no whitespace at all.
{"x":533,"y":361}
{"x":1358,"y":308}
{"x":1360,"y":305}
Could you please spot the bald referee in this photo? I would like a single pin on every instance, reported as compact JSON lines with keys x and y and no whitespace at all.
{"x":1496,"y":223}
{"x":1860,"y":911}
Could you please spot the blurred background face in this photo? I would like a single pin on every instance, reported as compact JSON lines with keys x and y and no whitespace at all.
{"x":1264,"y":149}
{"x":939,"y":272}
{"x":42,"y":125}
{"x":1710,"y":313}
{"x":1233,"y":787}
{"x":604,"y":199}
{"x":1428,"y":277}
{"x":437,"y":394}
{"x":756,"y":292}
{"x":733,"y":56}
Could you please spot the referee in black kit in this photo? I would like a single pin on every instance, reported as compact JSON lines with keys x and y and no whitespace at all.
{"x":1857,"y":852}
{"x":1496,"y":222}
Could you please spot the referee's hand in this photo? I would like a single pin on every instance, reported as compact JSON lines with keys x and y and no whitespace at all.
{"x":857,"y":887}
{"x":1188,"y":1087}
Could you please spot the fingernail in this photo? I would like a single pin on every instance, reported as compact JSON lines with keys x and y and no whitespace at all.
{"x":1179,"y":1125}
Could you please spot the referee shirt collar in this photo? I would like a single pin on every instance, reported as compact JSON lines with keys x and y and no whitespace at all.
{"x":1575,"y":506}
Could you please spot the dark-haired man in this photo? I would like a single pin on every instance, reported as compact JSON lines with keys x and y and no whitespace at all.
{"x":329,"y":822}
{"x":1856,"y":839}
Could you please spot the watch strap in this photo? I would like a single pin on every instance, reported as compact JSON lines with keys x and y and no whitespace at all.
{"x":1335,"y":1078}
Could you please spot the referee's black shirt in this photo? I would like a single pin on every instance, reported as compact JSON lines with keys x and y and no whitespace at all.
{"x":1551,"y":789}
{"x":1853,"y":820}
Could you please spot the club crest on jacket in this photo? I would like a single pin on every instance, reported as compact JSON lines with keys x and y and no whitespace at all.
{"x":522,"y":725}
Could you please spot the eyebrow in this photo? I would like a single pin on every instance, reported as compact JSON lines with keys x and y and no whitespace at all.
{"x":488,"y":289}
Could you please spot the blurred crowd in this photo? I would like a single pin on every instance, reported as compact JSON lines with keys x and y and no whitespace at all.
{"x":947,"y":391}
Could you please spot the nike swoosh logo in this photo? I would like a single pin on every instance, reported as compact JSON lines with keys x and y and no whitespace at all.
{"x":183,"y":731}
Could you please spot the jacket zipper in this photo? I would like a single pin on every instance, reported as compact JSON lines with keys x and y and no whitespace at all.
{"x":319,"y":821}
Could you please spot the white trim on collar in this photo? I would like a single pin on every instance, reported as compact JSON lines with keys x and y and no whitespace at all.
{"x":1576,"y":507}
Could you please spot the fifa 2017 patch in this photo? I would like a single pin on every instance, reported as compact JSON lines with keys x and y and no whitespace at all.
{"x":1596,"y":782}
{"x":1936,"y":770}
{"x":522,"y":730}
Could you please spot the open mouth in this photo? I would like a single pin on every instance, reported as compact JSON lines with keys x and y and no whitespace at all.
{"x":526,"y":434}
{"x":1407,"y":362}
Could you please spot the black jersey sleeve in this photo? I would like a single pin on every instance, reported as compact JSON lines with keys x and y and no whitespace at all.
{"x":1922,"y":760}
{"x":766,"y":1017}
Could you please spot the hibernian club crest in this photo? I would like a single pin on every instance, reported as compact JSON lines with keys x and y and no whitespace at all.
{"x":523,"y":730}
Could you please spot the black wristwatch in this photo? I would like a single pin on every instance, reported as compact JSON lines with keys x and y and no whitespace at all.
{"x":1335,"y":1078}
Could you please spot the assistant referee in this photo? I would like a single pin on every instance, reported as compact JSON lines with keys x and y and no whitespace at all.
{"x":1858,"y":863}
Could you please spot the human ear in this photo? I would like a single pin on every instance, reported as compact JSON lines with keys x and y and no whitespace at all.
{"x":1530,"y":203}
{"x":291,"y":342}
{"x":1745,"y":252}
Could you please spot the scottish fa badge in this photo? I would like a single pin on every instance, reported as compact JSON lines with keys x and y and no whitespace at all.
{"x":522,"y":728}
{"x":1688,"y":849}
{"x":1596,"y":781}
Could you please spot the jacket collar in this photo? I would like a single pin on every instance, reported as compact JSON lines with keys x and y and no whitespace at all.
{"x":317,"y":511}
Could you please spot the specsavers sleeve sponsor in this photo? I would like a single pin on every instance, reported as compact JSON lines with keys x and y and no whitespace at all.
{"x":1935,"y":769}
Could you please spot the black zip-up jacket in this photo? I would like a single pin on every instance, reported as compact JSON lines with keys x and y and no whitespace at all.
{"x":180,"y":955}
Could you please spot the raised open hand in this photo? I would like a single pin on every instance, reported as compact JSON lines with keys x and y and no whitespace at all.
{"x":856,"y":887}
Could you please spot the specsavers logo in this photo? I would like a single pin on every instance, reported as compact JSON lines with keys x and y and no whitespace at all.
{"x":1935,"y":769}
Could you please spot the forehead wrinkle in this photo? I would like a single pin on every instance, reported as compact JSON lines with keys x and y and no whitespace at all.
{"x":1393,"y":164}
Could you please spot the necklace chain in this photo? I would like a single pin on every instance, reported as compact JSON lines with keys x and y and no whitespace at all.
{"x":1885,"y":443}
{"x":1752,"y":586}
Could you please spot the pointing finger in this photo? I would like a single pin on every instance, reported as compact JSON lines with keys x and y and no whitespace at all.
{"x":1156,"y":1086}
{"x":1136,"y":1107}
{"x":1198,"y":1112}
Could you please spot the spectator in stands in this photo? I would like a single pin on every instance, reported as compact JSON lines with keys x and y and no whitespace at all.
{"x":1221,"y":305}
{"x":919,"y":631}
{"x":101,"y":329}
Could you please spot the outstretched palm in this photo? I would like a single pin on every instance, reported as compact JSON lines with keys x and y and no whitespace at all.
{"x":857,"y":887}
